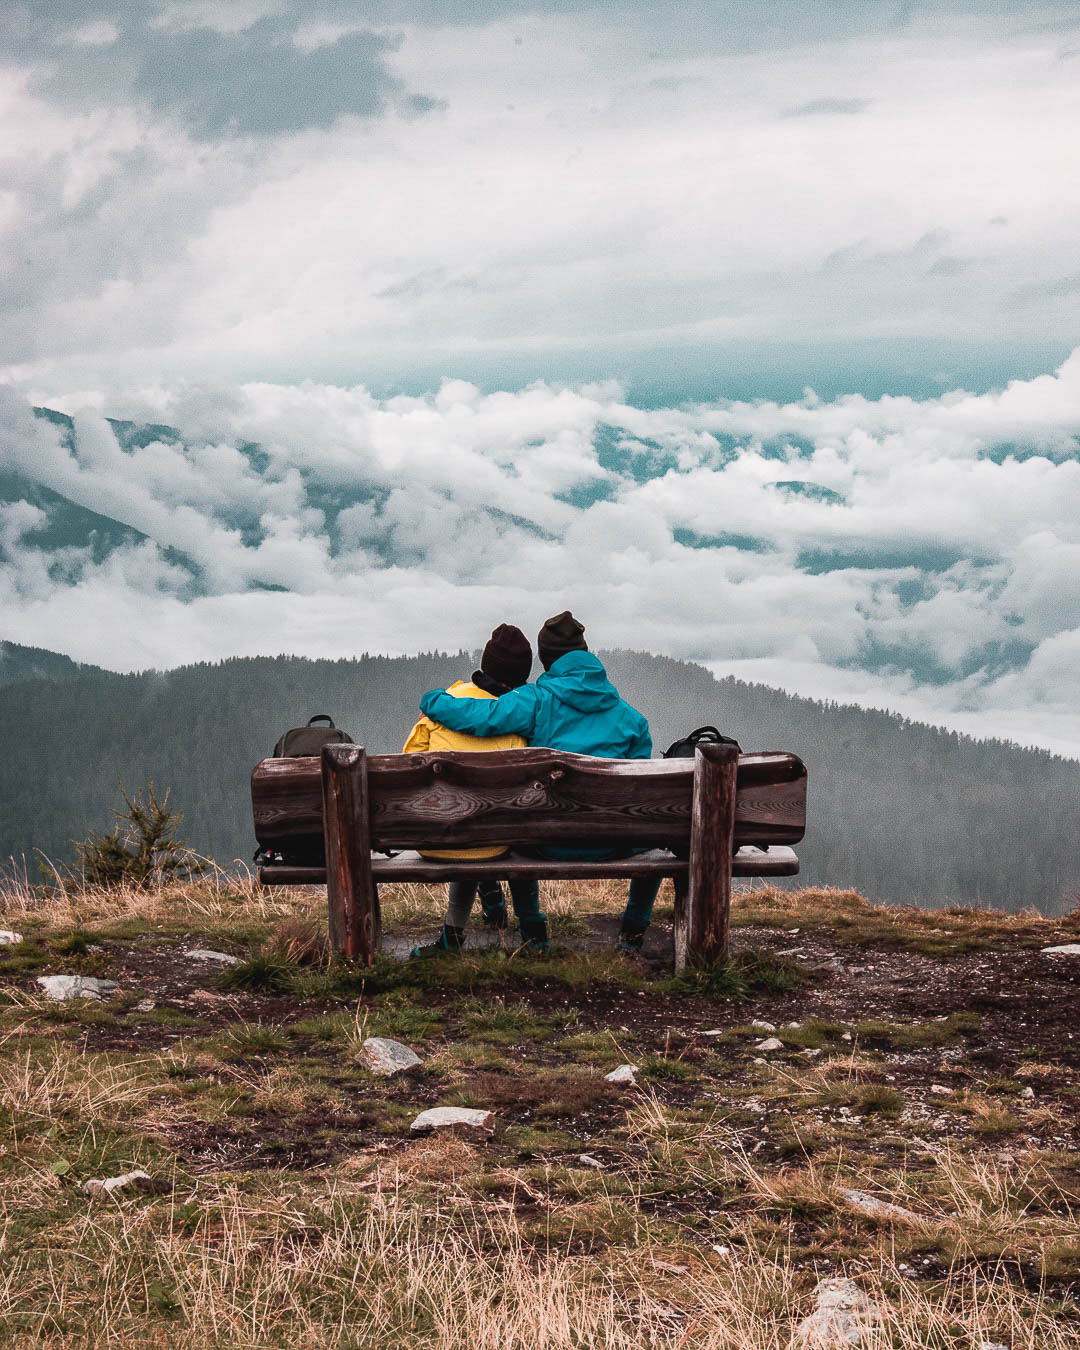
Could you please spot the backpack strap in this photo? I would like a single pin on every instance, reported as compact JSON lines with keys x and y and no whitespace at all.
{"x":321,"y":717}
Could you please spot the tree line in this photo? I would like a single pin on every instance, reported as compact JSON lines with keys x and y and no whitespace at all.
{"x":899,"y":810}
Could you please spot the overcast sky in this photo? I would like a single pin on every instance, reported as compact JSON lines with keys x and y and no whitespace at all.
{"x":520,"y":301}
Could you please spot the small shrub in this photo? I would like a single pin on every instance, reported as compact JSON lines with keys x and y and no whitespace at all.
{"x":142,"y":850}
{"x":259,"y":974}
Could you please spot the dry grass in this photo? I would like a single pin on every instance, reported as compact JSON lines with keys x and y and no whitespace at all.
{"x":513,"y":1243}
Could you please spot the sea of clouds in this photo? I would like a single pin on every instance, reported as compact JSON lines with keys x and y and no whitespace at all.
{"x":920,"y":555}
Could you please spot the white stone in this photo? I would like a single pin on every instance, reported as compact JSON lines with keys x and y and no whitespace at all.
{"x":137,"y":1180}
{"x":587,"y":1160}
{"x":1028,"y":1093}
{"x":794,"y":1025}
{"x":62,"y":988}
{"x":769,"y":1043}
{"x":456,"y":1119}
{"x":721,"y":1250}
{"x":1065,"y":949}
{"x":144,"y":1005}
{"x":385,"y":1057}
{"x":877,"y":1209}
{"x":716,"y":1031}
{"x":992,"y":1345}
{"x":8,"y":938}
{"x":842,"y":1316}
{"x":939,"y":1090}
{"x":811,"y":1054}
{"x":624,"y":1076}
{"x":758,"y":1025}
{"x":846,"y":1036}
{"x":200,"y":954}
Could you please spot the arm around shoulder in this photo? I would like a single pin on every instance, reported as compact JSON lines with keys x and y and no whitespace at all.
{"x":513,"y":713}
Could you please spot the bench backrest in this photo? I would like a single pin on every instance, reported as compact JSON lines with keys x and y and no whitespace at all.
{"x":455,"y":799}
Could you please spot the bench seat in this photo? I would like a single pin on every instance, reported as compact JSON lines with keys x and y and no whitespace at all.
{"x":779,"y":861}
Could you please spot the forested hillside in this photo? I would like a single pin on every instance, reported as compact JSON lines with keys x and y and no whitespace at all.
{"x":899,"y":810}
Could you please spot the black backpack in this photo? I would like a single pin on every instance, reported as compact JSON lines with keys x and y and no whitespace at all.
{"x":684,"y":748}
{"x":310,"y":740}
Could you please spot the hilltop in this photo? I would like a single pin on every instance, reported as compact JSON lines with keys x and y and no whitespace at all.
{"x":925,"y":1061}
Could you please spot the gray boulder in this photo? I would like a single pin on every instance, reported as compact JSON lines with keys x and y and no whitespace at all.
{"x":128,"y":1181}
{"x":457,"y":1120}
{"x":380,"y":1055}
{"x":201,"y":954}
{"x":842,"y":1316}
{"x":63,"y":988}
{"x":624,"y":1076}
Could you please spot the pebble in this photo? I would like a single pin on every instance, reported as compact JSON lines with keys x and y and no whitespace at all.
{"x":8,"y":938}
{"x":811,"y":1054}
{"x":144,"y":1005}
{"x":384,"y":1057}
{"x":62,"y":988}
{"x":624,"y":1076}
{"x":939,"y":1090}
{"x":137,"y":1180}
{"x":456,"y":1119}
{"x":587,"y":1160}
{"x":769,"y":1043}
{"x":200,"y":954}
{"x":758,"y":1025}
{"x":1065,"y":949}
{"x":874,"y":1208}
{"x":717,"y":1031}
{"x":1028,"y":1093}
{"x":846,"y":1036}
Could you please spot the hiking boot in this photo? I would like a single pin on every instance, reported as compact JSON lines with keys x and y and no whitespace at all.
{"x":629,"y":940}
{"x":492,"y":904}
{"x":449,"y":940}
{"x":534,"y":935}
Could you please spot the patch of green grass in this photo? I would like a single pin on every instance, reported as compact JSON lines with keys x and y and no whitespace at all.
{"x":505,"y":1024}
{"x":662,"y":1069}
{"x":259,"y":974}
{"x":918,"y":1035}
{"x":325,"y":1027}
{"x":748,"y":972}
{"x":23,"y":957}
{"x":244,"y":1039}
{"x":399,"y":1016}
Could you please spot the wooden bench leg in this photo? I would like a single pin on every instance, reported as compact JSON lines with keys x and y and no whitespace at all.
{"x":352,"y":898}
{"x":703,"y":903}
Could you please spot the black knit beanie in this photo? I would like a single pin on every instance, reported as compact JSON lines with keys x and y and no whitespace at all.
{"x":507,"y":656}
{"x":560,"y":634}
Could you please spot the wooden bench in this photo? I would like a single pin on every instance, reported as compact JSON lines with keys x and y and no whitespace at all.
{"x":725,"y":814}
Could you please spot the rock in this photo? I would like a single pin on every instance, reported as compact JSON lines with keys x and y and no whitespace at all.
{"x":144,"y":1005}
{"x":129,"y":1181}
{"x":721,"y":1250}
{"x":842,"y":1316}
{"x":769,"y":1043}
{"x":456,"y":1119}
{"x":717,"y":1031}
{"x":939,"y":1090}
{"x":200,"y":954}
{"x":205,"y":996}
{"x":1028,"y":1094}
{"x":811,"y":1053}
{"x":1065,"y":949}
{"x":587,"y":1160}
{"x":846,"y":1036}
{"x":624,"y":1076}
{"x":878,"y":1209}
{"x":8,"y":938}
{"x":992,"y":1345}
{"x":63,"y":988}
{"x":382,"y":1056}
{"x":793,"y":1025}
{"x":758,"y":1025}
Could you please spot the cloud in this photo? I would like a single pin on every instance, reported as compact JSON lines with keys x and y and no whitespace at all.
{"x":829,"y":107}
{"x":917,"y":548}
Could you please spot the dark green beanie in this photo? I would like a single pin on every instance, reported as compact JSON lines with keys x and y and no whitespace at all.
{"x":559,"y":635}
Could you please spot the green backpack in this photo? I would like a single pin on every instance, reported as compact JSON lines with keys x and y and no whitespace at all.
{"x":310,"y":740}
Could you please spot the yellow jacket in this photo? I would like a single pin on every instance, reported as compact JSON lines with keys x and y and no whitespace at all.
{"x":429,"y":735}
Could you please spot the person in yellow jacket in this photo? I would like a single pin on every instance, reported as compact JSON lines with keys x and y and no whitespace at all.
{"x":505,"y":665}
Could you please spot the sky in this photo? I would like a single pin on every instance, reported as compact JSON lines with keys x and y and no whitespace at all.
{"x":745,"y":329}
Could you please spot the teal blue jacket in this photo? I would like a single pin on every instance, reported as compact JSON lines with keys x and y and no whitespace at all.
{"x":573,"y":706}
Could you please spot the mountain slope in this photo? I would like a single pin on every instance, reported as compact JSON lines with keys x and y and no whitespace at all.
{"x":900,"y":810}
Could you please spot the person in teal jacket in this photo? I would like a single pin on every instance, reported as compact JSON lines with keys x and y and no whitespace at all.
{"x":572,"y":706}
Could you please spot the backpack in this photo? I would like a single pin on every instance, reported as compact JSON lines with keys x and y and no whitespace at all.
{"x":310,"y":740}
{"x":684,"y":748}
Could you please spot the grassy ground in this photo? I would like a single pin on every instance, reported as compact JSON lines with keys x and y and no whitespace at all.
{"x":934,"y":1062}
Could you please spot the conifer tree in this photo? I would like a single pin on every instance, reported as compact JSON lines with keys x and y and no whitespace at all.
{"x":142,"y":848}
